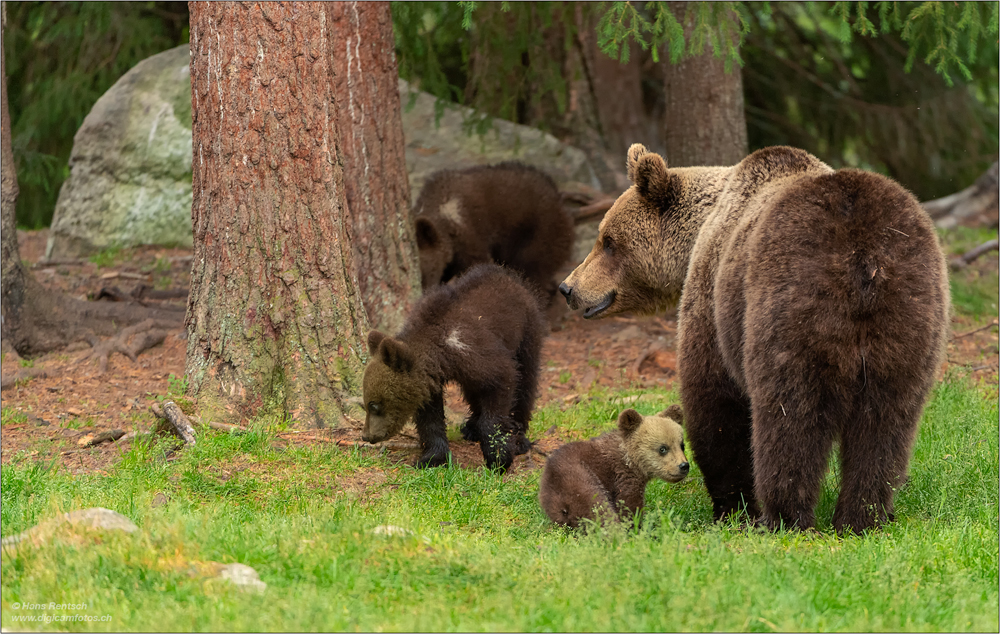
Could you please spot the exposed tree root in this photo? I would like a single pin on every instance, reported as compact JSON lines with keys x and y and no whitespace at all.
{"x":49,"y":320}
{"x":144,"y":335}
{"x":20,"y":375}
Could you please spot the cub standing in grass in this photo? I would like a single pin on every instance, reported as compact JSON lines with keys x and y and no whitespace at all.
{"x":605,"y":478}
{"x":509,"y":213}
{"x":483,"y":331}
{"x":814,"y":309}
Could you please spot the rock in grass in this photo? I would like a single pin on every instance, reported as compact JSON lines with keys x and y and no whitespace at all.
{"x":92,"y":519}
{"x":242,"y":576}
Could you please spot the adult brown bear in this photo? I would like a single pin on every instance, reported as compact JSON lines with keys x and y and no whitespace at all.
{"x":813,"y":308}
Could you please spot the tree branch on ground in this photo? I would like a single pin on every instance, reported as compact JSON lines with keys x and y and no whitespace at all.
{"x":975,"y":205}
{"x":963,"y":261}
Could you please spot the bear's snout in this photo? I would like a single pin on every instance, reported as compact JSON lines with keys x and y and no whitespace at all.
{"x":565,"y":290}
{"x":684,"y":467}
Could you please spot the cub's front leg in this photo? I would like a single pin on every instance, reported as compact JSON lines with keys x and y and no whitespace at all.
{"x":433,"y":434}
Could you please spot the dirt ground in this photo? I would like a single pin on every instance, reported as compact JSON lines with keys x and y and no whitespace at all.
{"x":72,"y":401}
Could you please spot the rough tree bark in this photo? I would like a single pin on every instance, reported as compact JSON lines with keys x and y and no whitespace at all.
{"x":274,"y":315}
{"x":704,"y":122}
{"x":378,"y":192}
{"x":34,"y":319}
{"x":13,"y":276}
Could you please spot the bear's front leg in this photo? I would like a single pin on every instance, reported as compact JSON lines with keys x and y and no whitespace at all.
{"x":433,"y":434}
{"x":470,"y":428}
{"x":495,"y":442}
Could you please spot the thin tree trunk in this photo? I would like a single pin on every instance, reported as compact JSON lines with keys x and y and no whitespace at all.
{"x":704,"y":119}
{"x":13,"y":275}
{"x":274,"y":316}
{"x":378,"y":191}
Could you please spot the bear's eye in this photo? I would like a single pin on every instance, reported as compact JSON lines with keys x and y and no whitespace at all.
{"x":663,"y":450}
{"x":682,"y":445}
{"x":373,"y":408}
{"x":609,"y":244}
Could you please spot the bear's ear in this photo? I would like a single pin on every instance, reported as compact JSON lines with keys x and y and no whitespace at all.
{"x":427,"y":235}
{"x":374,"y":338}
{"x":673,"y":412}
{"x":635,"y":152}
{"x":396,"y":355}
{"x":629,"y":421}
{"x":652,"y":180}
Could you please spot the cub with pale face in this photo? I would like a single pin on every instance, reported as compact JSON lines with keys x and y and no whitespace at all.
{"x":813,"y":308}
{"x":483,"y":331}
{"x":604,"y":478}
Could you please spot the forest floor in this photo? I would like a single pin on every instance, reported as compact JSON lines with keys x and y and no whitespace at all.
{"x":49,"y":417}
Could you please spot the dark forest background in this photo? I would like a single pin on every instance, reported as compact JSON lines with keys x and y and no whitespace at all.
{"x":912,"y":95}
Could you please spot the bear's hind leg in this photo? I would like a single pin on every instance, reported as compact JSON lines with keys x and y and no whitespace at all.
{"x":791,"y":446}
{"x":717,"y":424}
{"x":527,"y":388}
{"x":874,"y":453}
{"x":429,"y":420}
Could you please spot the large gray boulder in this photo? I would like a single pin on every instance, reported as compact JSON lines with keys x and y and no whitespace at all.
{"x":130,"y":169}
{"x":130,"y":178}
{"x":434,"y":144}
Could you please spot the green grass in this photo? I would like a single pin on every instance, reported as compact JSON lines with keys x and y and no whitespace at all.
{"x":106,"y":258}
{"x":974,"y":288}
{"x":483,"y":556}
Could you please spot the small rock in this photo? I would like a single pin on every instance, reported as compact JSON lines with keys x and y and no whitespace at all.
{"x":74,"y":411}
{"x":159,"y":500}
{"x":391,"y":531}
{"x":243,"y":577}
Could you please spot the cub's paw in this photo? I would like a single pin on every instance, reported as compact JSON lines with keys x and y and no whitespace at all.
{"x":432,"y":460}
{"x":520,"y":444}
{"x":470,"y":429}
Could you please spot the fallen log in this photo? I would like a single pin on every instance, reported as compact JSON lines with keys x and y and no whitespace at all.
{"x":976,"y":205}
{"x":178,"y":422}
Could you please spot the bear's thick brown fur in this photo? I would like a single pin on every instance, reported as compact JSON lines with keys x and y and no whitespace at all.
{"x":605,"y":478}
{"x":508,"y":213}
{"x":484,"y":331}
{"x":813,"y":308}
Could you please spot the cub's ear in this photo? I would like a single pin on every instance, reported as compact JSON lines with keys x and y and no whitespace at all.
{"x":397,"y":355}
{"x":629,"y":421}
{"x":673,"y":412}
{"x":427,"y":235}
{"x":374,"y":338}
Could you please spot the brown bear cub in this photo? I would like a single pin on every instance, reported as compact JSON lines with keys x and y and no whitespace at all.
{"x":813,"y":310}
{"x":508,"y":213}
{"x":483,"y":331}
{"x":605,"y":478}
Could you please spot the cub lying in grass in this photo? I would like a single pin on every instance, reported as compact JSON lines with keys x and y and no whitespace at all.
{"x":605,"y":478}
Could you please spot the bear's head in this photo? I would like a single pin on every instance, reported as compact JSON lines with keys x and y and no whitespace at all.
{"x":655,"y":444}
{"x":436,"y":249}
{"x":394,"y":386}
{"x":630,"y":268}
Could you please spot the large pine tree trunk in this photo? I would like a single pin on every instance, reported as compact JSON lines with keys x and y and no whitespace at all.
{"x":704,"y":120}
{"x":274,"y":315}
{"x":378,"y":192}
